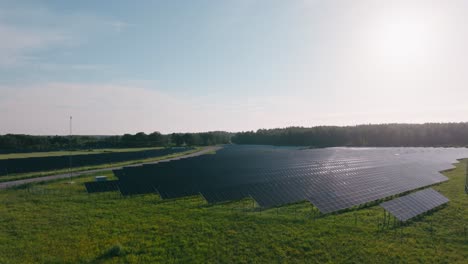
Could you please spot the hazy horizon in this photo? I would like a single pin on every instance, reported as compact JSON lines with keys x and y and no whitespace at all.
{"x":194,"y":66}
{"x":239,"y":131}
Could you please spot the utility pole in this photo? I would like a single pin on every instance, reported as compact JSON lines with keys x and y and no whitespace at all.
{"x":70,"y":150}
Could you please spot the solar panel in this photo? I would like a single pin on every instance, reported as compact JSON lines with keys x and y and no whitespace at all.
{"x":414,"y":204}
{"x":332,"y":179}
{"x":104,"y":186}
{"x":224,"y":195}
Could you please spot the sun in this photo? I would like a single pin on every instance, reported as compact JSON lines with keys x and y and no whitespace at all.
{"x":403,"y":40}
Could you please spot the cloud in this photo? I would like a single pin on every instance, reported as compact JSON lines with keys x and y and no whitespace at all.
{"x":333,"y":80}
{"x":26,"y":32}
{"x":130,"y":107}
{"x":96,"y":109}
{"x":118,"y":26}
{"x":18,"y":43}
{"x":114,"y":109}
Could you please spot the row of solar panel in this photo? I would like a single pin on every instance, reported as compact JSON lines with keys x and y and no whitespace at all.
{"x":104,"y":186}
{"x":23,"y":165}
{"x":414,"y":204}
{"x":289,"y":175}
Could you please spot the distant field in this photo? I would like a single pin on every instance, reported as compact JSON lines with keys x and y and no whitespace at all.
{"x":61,"y":223}
{"x":64,"y":153}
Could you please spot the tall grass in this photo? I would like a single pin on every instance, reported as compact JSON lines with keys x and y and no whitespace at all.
{"x":60,"y":223}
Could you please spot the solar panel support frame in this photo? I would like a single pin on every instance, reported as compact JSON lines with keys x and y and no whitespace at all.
{"x":466,"y":177}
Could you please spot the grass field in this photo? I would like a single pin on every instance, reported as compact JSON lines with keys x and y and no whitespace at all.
{"x":60,"y":223}
{"x":20,"y":176}
{"x":65,"y":153}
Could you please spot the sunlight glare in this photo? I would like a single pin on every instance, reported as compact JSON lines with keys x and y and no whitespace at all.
{"x":404,"y":40}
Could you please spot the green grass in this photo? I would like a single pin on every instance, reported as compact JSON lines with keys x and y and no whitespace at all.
{"x":20,"y":176}
{"x":65,"y":153}
{"x":59,"y":223}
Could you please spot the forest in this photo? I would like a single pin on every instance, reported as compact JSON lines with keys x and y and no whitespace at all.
{"x":382,"y":135}
{"x":27,"y":143}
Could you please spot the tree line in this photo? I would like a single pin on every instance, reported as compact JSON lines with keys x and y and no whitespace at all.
{"x":382,"y":135}
{"x":26,"y":143}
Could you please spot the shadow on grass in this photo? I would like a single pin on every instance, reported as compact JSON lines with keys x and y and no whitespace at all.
{"x":116,"y":250}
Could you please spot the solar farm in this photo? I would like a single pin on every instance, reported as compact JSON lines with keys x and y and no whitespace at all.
{"x":246,"y":204}
{"x":331,"y":179}
{"x":35,"y":164}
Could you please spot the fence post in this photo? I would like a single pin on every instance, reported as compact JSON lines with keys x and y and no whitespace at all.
{"x":464,"y":232}
{"x":401,"y":235}
{"x":432,"y":232}
{"x":466,"y":177}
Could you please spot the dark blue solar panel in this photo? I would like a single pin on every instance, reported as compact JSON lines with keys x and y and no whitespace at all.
{"x":104,"y":186}
{"x":332,"y":179}
{"x":414,"y":204}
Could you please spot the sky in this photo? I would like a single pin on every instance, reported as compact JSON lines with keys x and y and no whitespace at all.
{"x":235,"y":65}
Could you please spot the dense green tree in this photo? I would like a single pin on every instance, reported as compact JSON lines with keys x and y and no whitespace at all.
{"x":157,"y":139}
{"x":177,"y":139}
{"x":384,"y":135}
